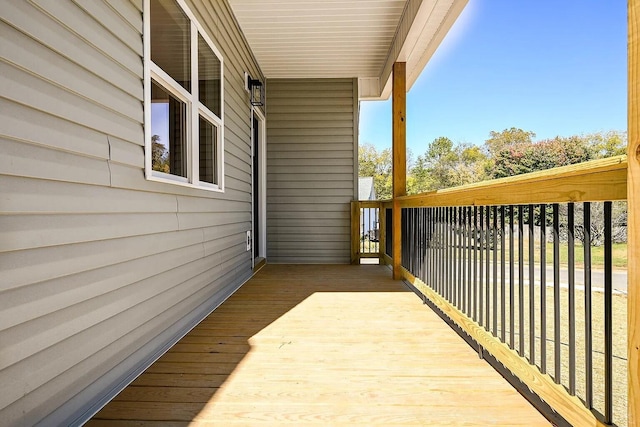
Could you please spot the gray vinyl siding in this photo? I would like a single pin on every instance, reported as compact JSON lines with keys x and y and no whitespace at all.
{"x":311,"y":146}
{"x":100,"y":269}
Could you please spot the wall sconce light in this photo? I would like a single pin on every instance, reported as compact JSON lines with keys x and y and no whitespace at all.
{"x":256,"y":88}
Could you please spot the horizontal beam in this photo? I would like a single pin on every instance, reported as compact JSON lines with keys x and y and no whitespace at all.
{"x":598,"y":180}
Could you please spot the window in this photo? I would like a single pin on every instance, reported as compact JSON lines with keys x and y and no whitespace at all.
{"x":183,"y":98}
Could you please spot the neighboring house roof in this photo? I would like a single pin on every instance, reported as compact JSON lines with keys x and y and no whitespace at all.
{"x":324,"y":39}
{"x":366,"y":191}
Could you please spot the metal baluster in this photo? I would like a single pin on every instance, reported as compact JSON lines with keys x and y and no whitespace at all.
{"x":441,"y":258}
{"x":572,"y":300}
{"x":521,"y":278}
{"x":543,"y":288}
{"x":449,"y":278}
{"x":511,"y":280}
{"x":361,"y":236}
{"x":427,"y":249}
{"x":503,"y":305}
{"x":481,"y":266}
{"x":487,"y":275}
{"x":469,"y":264}
{"x":438,"y":250}
{"x":495,"y":270}
{"x":452,"y":256}
{"x":556,"y":292}
{"x":475,"y":263}
{"x":463,"y":260}
{"x":588,"y":334}
{"x":532,"y":288}
{"x":608,"y":319}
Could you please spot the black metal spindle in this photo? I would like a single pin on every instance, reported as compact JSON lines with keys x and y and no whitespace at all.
{"x":440,"y":254}
{"x":433,"y":221}
{"x":412,"y":240}
{"x":494,"y":233}
{"x":452,"y":251}
{"x":443,"y":245}
{"x":475,"y":263}
{"x":521,"y":278}
{"x":469,"y":263}
{"x":572,"y":298}
{"x":371,"y":226}
{"x":532,"y":290}
{"x":488,"y":276}
{"x":503,"y":302}
{"x":459,"y":257}
{"x":481,"y":266}
{"x":463,"y":259}
{"x":543,"y":288}
{"x":423,"y":239}
{"x":362,"y":226}
{"x":588,"y":334}
{"x":389,"y":232}
{"x":608,"y":319}
{"x":511,"y":280}
{"x":556,"y":292}
{"x":429,"y":247}
{"x":403,"y":235}
{"x":450,"y":277}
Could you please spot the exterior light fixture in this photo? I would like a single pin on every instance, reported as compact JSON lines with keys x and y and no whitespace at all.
{"x":256,"y":88}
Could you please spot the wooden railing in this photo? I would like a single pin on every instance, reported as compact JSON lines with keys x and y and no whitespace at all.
{"x":370,"y":228}
{"x":479,"y":254}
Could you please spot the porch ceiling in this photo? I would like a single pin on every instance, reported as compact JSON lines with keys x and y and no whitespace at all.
{"x":338,"y":38}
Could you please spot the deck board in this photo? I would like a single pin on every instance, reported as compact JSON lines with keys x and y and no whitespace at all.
{"x":324,"y":345}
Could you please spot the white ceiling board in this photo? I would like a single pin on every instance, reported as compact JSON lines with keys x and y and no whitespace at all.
{"x":342,"y":38}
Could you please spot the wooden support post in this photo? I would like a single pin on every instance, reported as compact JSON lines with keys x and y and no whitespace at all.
{"x":399,"y":105}
{"x":633,"y":209}
{"x":355,"y":232}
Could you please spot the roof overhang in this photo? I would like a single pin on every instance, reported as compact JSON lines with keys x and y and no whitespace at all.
{"x":337,"y":38}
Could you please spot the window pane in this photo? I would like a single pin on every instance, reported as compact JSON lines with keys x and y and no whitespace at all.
{"x":208,"y":152}
{"x":209,"y":77}
{"x":168,"y":141}
{"x":171,"y":40}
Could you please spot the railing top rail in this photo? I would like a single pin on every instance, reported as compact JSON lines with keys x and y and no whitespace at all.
{"x":368,"y":203}
{"x":598,"y":180}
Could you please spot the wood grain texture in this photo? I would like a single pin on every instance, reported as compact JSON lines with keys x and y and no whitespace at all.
{"x":597,"y":180}
{"x":569,"y":407}
{"x":399,"y":149}
{"x":382,"y":234}
{"x":633,"y":200}
{"x":325,"y":345}
{"x":355,"y":232}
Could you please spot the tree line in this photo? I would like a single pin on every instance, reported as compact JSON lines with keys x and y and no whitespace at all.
{"x":510,"y":152}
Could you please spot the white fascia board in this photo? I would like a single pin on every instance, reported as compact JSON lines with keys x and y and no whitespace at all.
{"x":416,"y":41}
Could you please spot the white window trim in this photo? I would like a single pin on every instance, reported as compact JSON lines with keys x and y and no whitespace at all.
{"x":194,"y":107}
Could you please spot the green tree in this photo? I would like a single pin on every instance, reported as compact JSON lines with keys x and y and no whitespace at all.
{"x":445,"y":164}
{"x":607,"y":144}
{"x":525,"y":157}
{"x":499,"y":141}
{"x":159,"y":155}
{"x":377,"y":164}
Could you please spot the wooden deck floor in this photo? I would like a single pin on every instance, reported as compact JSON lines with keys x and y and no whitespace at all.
{"x":324,"y":345}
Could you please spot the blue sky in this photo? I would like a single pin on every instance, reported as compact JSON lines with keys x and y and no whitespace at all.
{"x":551,"y":67}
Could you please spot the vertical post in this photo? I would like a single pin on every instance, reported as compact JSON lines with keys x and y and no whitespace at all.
{"x":355,"y":232}
{"x":633,"y":209}
{"x":399,"y":150}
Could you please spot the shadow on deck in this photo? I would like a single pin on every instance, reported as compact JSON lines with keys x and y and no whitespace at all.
{"x":327,"y":345}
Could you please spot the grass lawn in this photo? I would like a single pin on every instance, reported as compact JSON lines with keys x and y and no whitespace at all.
{"x":619,"y":254}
